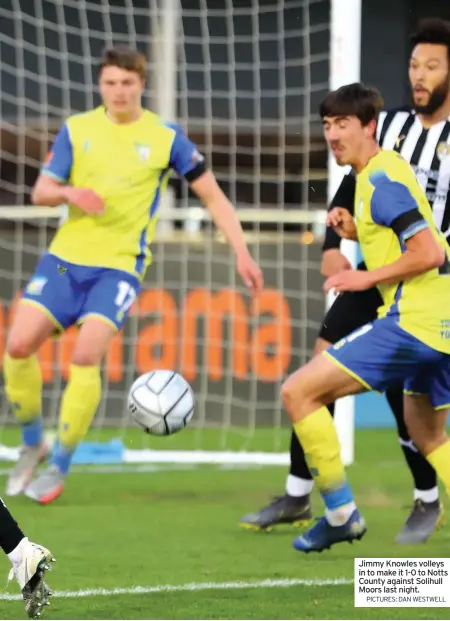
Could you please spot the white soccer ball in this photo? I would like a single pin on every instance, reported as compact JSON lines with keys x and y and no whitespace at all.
{"x":161,"y":402}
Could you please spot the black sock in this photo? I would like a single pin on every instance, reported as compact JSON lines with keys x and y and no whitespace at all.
{"x":423,"y":473}
{"x":299,"y":467}
{"x":10,"y":533}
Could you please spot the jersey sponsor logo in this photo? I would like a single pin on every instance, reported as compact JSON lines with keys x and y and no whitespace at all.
{"x":36,"y":286}
{"x":143,"y":151}
{"x":445,"y":329}
{"x":443,"y":151}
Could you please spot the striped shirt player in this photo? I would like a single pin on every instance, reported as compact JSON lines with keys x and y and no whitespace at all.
{"x":428,"y":152}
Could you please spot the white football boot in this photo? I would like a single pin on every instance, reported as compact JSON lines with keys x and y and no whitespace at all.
{"x":29,"y":459}
{"x":29,"y":572}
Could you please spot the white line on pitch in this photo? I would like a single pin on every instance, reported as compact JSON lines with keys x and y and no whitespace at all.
{"x":194,"y":586}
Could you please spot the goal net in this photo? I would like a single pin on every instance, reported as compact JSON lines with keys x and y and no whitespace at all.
{"x":244,"y":79}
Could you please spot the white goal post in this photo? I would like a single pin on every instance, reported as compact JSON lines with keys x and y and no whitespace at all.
{"x":345,"y":68}
{"x":244,"y":79}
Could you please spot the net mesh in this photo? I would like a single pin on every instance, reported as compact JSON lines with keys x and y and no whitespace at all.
{"x":244,"y":79}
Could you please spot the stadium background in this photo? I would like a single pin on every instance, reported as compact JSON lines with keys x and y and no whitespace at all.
{"x":384,"y":56}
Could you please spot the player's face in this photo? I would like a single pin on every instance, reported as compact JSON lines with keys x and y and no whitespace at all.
{"x":346,"y":137}
{"x":429,"y":77}
{"x":121,"y":91}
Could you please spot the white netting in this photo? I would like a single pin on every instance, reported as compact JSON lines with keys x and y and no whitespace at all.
{"x":244,"y":79}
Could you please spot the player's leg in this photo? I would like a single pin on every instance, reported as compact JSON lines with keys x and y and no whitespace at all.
{"x":427,"y":426}
{"x":350,"y":311}
{"x":42,"y":310}
{"x":377,"y":355}
{"x":426,"y":411}
{"x":79,"y":404}
{"x":427,"y":511}
{"x":29,"y":562}
{"x":102,"y":314}
{"x":305,"y":394}
{"x":292,"y":507}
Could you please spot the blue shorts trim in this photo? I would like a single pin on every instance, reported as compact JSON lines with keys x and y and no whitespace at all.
{"x":69,"y":293}
{"x":381,"y":354}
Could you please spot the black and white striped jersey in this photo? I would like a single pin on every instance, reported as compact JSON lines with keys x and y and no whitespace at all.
{"x":428,"y":152}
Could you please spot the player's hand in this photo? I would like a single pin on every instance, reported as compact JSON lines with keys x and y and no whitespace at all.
{"x":333,"y":262}
{"x":250,"y":272}
{"x":87,"y":200}
{"x":343,"y":223}
{"x":349,"y":280}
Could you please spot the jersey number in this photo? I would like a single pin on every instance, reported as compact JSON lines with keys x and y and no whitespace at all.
{"x":126,"y":295}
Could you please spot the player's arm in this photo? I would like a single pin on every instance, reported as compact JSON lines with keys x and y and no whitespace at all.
{"x":222,"y":210}
{"x":333,"y":261}
{"x":188,"y":163}
{"x":393,"y":206}
{"x":51,"y":187}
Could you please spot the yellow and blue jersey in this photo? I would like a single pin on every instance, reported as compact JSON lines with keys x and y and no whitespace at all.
{"x":410,"y":341}
{"x":390,"y":207}
{"x":128,"y":166}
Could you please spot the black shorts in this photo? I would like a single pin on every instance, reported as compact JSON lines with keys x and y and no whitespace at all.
{"x":350,"y":311}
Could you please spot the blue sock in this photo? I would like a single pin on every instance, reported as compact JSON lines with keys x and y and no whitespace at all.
{"x":61,"y":457}
{"x":338,"y":497}
{"x":32,"y":432}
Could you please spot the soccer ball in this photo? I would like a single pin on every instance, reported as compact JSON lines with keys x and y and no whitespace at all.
{"x":161,"y":402}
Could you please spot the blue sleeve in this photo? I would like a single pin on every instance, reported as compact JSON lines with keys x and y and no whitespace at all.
{"x":393,"y":206}
{"x":60,"y":159}
{"x":390,"y":199}
{"x":184,"y":155}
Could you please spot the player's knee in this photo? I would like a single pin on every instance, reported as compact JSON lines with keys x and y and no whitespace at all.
{"x":293,"y":394}
{"x":320,"y":346}
{"x":85,"y":357}
{"x":20,"y":347}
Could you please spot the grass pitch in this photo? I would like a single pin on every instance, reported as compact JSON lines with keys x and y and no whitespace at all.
{"x":165,"y":544}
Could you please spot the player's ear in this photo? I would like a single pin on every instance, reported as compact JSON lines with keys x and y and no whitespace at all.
{"x":370,"y":129}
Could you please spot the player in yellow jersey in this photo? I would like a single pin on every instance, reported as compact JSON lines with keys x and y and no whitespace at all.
{"x":407,"y":259}
{"x":111,"y":166}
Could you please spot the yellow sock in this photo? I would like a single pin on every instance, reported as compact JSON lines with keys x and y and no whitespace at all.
{"x":79,"y":404}
{"x":317,"y":435}
{"x":23,"y":387}
{"x":440,"y":460}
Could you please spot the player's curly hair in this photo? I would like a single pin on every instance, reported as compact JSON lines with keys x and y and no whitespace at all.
{"x":356,"y":99}
{"x":125,"y":58}
{"x":432,"y":30}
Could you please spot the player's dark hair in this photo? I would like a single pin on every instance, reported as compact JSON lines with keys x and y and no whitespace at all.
{"x":353,"y":100}
{"x":433,"y":30}
{"x":125,"y":58}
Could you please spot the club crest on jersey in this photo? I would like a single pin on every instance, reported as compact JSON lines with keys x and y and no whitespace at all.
{"x":443,"y":151}
{"x":143,"y":151}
